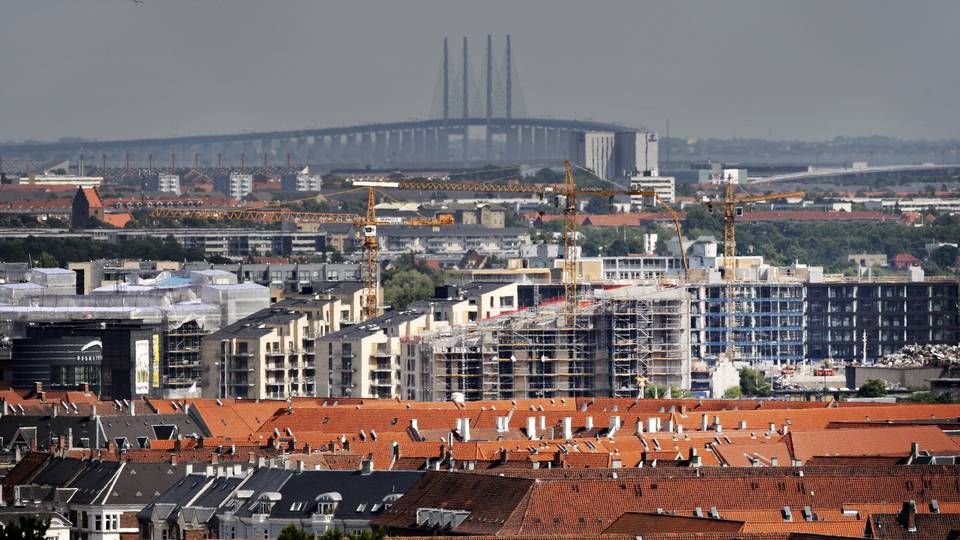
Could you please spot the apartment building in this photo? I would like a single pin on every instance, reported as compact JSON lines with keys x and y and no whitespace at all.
{"x":663,"y":186}
{"x":609,"y":350}
{"x":236,"y":185}
{"x":459,"y":239}
{"x":163,"y":183}
{"x":364,"y":360}
{"x":268,"y":355}
{"x":767,"y":320}
{"x":864,"y":320}
{"x":301,"y":181}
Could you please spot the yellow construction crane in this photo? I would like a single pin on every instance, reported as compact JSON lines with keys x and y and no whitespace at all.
{"x":569,"y":192}
{"x":367,"y":225}
{"x":731,"y":211}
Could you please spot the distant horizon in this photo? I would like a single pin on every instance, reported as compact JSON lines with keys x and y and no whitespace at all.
{"x":738,"y":69}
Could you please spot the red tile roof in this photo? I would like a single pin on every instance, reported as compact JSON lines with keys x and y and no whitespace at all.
{"x":803,"y":215}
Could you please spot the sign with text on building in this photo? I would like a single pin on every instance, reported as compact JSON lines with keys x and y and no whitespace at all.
{"x":155,"y":372}
{"x":141,"y":366}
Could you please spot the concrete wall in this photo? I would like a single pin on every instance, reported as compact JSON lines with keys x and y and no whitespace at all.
{"x":906,"y":377}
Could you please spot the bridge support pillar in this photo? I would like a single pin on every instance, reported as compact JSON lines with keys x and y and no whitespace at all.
{"x":513,"y":143}
{"x":366,"y":147}
{"x":443,"y":145}
{"x":394,"y":138}
{"x":553,"y":144}
{"x":334,"y":153}
{"x":406,"y":147}
{"x":466,"y":144}
{"x":419,"y":147}
{"x":526,"y":142}
{"x":539,"y":143}
{"x":379,"y":148}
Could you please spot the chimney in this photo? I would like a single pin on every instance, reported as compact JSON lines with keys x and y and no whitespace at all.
{"x":53,"y":412}
{"x":567,"y":428}
{"x":614,"y":426}
{"x":214,"y":458}
{"x":774,"y":462}
{"x":299,"y":465}
{"x":908,"y":516}
{"x":743,"y":425}
{"x":589,"y":424}
{"x":695,"y":459}
{"x":773,"y":428}
{"x":914,"y":451}
{"x":786,"y":429}
{"x":465,"y":430}
{"x":703,"y":422}
{"x":366,"y":466}
{"x":173,"y":459}
{"x":532,"y":427}
{"x":639,"y":425}
{"x":133,"y":407}
{"x":413,"y":425}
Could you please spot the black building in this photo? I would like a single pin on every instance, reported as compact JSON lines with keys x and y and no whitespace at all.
{"x":58,"y":363}
{"x":856,"y":321}
{"x":129,"y":359}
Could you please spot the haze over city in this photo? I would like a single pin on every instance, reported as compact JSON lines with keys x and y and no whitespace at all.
{"x":772,"y":69}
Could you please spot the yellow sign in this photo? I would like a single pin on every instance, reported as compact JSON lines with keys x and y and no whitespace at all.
{"x":156,"y":361}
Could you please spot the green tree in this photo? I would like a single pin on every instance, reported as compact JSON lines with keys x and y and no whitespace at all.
{"x":47,"y":260}
{"x":873,"y":388}
{"x":945,"y":256}
{"x":406,"y":286}
{"x":26,"y":528}
{"x":733,"y":392}
{"x":753,"y":383}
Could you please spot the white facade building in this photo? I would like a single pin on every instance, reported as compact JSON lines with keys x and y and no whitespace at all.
{"x":664,"y":186}
{"x":637,"y":153}
{"x":595,"y":151}
{"x":166,"y":183}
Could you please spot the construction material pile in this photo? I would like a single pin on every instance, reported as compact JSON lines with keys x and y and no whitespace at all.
{"x":923,"y":356}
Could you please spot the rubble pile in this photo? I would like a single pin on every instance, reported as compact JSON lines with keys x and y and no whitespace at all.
{"x":923,"y":356}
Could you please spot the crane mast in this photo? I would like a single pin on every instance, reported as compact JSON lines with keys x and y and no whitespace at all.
{"x":730,"y":213}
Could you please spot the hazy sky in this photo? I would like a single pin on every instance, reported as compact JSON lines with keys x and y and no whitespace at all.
{"x":791,"y":69}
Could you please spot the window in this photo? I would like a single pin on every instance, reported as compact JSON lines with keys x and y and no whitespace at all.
{"x":296,"y":507}
{"x":96,"y":523}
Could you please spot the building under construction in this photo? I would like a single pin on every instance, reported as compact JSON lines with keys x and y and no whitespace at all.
{"x":617,"y":343}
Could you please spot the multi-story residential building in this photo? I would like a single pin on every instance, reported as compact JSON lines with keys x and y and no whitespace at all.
{"x":767,"y":319}
{"x":301,"y":181}
{"x":268,"y":355}
{"x":236,"y":185}
{"x":605,"y":352}
{"x":663,"y":186}
{"x":459,"y":239}
{"x":291,"y":277}
{"x":364,"y":360}
{"x":863,"y":320}
{"x":163,"y":183}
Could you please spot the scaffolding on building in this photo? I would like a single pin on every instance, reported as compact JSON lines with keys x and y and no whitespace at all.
{"x":541,"y":353}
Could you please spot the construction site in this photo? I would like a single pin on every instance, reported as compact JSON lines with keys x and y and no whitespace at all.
{"x":617,"y":343}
